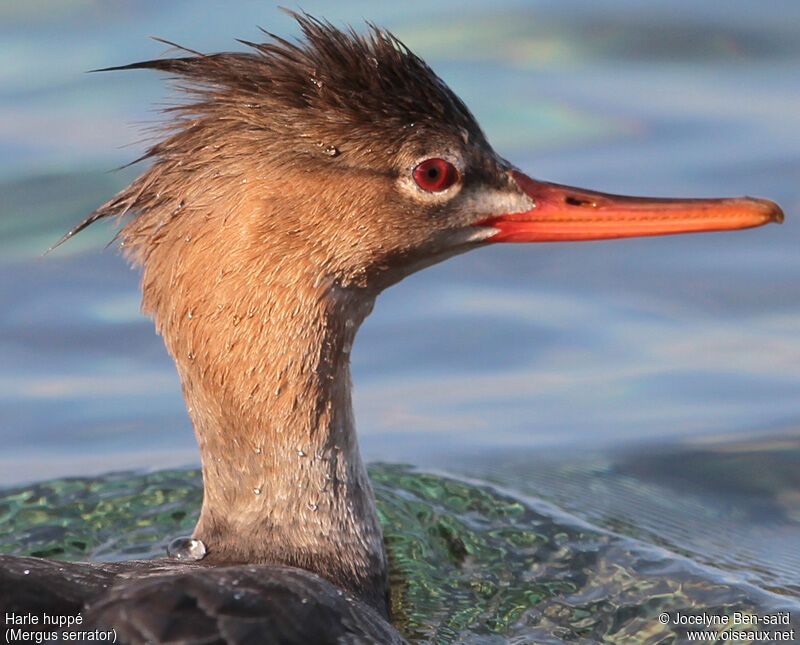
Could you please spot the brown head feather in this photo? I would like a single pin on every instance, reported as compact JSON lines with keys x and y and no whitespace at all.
{"x":364,"y":89}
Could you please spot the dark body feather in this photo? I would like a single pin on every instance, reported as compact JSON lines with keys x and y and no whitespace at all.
{"x":163,"y":602}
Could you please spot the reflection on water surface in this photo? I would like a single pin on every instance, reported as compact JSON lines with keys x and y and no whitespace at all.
{"x":469,"y":565}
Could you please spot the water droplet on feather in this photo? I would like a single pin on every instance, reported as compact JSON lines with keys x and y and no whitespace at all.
{"x":188,"y":549}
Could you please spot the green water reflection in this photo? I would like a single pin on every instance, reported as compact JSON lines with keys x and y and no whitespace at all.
{"x":469,"y":564}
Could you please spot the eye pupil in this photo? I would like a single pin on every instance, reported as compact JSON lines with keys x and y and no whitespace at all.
{"x":435,"y":175}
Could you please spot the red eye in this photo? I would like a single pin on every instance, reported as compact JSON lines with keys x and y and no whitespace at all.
{"x":435,"y":174}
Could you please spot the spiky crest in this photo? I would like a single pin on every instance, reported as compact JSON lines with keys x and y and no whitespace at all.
{"x":364,"y":89}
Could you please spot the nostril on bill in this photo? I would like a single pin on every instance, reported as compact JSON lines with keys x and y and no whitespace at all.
{"x":575,"y":201}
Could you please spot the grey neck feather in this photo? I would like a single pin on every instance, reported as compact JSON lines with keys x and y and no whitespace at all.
{"x":284,"y":480}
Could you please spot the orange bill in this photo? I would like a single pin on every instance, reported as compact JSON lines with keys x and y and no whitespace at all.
{"x":563,"y":213}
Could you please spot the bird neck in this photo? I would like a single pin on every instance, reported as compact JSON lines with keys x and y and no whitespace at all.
{"x":262,"y":346}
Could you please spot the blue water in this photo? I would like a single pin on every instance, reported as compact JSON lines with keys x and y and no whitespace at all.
{"x":584,"y":361}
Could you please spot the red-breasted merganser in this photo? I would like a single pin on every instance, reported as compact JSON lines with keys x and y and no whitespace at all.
{"x":298,"y":182}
